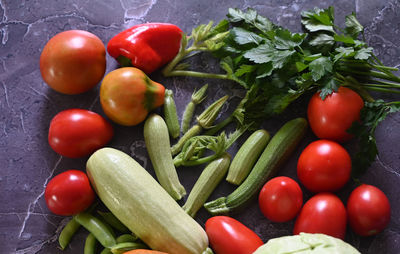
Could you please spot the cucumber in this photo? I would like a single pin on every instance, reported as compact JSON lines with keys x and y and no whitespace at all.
{"x":247,"y":156}
{"x":158,"y":147}
{"x":277,"y":151}
{"x":141,"y":204}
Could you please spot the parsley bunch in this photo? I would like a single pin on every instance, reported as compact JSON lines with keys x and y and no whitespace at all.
{"x":277,"y":66}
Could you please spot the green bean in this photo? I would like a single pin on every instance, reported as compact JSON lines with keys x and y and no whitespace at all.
{"x":113,"y":221}
{"x":170,"y":114}
{"x":127,"y":238}
{"x":68,"y":232}
{"x":197,"y":98}
{"x":127,"y":246}
{"x":90,"y":244}
{"x":97,"y":228}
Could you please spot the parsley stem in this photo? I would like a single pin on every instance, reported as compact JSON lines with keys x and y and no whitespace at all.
{"x":362,"y":62}
{"x":385,"y":83}
{"x":375,"y":74}
{"x":377,"y":88}
{"x":198,"y":74}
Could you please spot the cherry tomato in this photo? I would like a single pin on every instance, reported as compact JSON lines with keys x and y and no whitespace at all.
{"x":323,"y":213}
{"x":368,"y":209}
{"x":332,"y":117}
{"x":229,"y":236}
{"x":69,"y":193}
{"x":280,"y":199}
{"x":76,"y":133}
{"x":73,"y":61}
{"x":324,"y":166}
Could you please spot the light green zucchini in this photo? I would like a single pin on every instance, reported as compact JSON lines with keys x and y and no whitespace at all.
{"x":158,"y":146}
{"x":170,"y":114}
{"x":277,"y":152}
{"x":247,"y":156}
{"x":141,"y":204}
{"x":208,"y":180}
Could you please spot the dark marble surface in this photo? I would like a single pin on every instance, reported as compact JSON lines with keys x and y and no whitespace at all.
{"x":27,"y":105}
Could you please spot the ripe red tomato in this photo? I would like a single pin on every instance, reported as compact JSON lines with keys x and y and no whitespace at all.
{"x":368,"y":209}
{"x":323,"y":213}
{"x":280,"y":199}
{"x":324,"y":166}
{"x":73,"y":61}
{"x":76,"y":133}
{"x":229,"y":236}
{"x":332,"y":117}
{"x":69,"y":193}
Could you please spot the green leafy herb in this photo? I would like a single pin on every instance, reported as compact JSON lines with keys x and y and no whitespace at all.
{"x":277,"y":66}
{"x":371,"y":115}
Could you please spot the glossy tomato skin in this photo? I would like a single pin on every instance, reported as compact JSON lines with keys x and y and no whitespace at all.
{"x":323,"y":213}
{"x":69,"y":193}
{"x":76,"y":133}
{"x":73,"y":61}
{"x":127,"y":95}
{"x":324,"y":165}
{"x":368,"y":210}
{"x":229,"y":236}
{"x":332,"y":117}
{"x":280,"y":199}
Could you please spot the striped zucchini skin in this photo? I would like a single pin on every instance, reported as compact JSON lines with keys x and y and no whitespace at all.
{"x":208,"y":180}
{"x":141,"y":204}
{"x":247,"y":156}
{"x":158,"y":146}
{"x":281,"y":146}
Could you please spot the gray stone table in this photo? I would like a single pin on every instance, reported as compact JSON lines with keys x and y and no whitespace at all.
{"x":27,"y":105}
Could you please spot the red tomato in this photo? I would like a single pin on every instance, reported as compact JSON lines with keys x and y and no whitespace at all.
{"x":229,"y":236}
{"x":280,"y":199}
{"x":332,"y":117}
{"x":323,"y":213}
{"x":69,"y":193}
{"x":76,"y":133}
{"x":368,"y":209}
{"x":324,"y":166}
{"x":73,"y":61}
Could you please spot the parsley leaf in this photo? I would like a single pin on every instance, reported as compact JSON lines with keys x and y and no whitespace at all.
{"x":251,"y":18}
{"x":284,"y":39}
{"x":371,"y":115}
{"x":353,"y":27}
{"x":318,"y":20}
{"x":343,"y":52}
{"x":267,"y":53}
{"x":319,"y":67}
{"x":328,"y":86}
{"x":363,"y":53}
{"x":243,"y":36}
{"x":343,"y":38}
{"x":322,"y":41}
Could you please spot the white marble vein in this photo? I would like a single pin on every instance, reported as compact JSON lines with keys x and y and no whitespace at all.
{"x":136,"y":9}
{"x":32,"y":205}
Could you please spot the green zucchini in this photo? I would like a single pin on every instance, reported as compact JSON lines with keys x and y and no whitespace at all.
{"x":277,"y":151}
{"x":208,"y":180}
{"x":247,"y":156}
{"x":158,"y":147}
{"x":170,"y":114}
{"x":141,"y":204}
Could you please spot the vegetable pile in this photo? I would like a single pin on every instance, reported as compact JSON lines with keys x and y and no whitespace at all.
{"x":330,"y":65}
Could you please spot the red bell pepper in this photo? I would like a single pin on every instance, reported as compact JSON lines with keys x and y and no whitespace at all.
{"x":146,"y":46}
